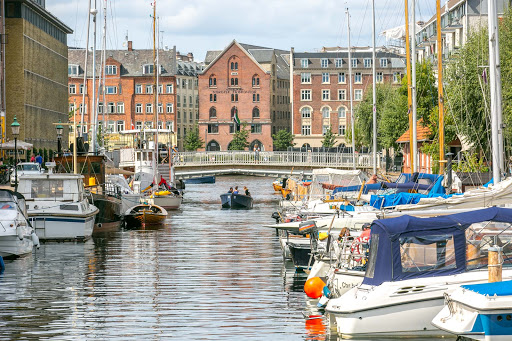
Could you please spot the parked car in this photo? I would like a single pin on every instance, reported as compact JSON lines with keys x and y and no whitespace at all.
{"x":26,"y":168}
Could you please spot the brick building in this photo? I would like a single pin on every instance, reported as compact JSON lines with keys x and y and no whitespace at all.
{"x":36,"y":58}
{"x":253,"y":82}
{"x":321,"y":95}
{"x":128,"y":102}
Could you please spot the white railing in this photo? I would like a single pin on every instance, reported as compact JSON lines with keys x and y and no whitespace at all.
{"x":273,"y":159}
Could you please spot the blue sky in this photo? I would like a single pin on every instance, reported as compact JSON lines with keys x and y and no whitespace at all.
{"x":200,"y":25}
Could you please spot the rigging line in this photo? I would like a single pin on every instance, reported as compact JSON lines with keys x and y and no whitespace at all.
{"x":113,"y":14}
{"x":362,"y":22}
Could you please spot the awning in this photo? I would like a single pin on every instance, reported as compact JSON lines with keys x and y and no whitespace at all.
{"x":19,"y":145}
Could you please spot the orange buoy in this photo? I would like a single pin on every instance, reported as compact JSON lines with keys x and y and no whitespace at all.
{"x":314,"y":287}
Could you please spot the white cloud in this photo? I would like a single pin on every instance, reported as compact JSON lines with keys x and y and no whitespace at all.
{"x":200,"y":25}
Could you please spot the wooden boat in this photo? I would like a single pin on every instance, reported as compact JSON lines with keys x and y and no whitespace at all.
{"x":201,"y":180}
{"x":230,"y":200}
{"x":144,"y":214}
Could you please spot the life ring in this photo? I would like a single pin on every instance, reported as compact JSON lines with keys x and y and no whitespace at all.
{"x":357,"y":247}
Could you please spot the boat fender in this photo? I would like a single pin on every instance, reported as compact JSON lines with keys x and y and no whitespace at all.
{"x":326,"y":291}
{"x":322,"y":302}
{"x":2,"y":265}
{"x":19,"y":231}
{"x":35,"y":239}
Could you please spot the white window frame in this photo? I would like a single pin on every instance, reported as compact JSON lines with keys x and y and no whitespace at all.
{"x":305,"y":77}
{"x":169,"y":125}
{"x":73,"y":69}
{"x":344,"y":112}
{"x":383,"y":62}
{"x":160,"y":108}
{"x":354,"y":62}
{"x":342,"y":95}
{"x":342,"y":79}
{"x":110,"y":90}
{"x":110,"y":70}
{"x":111,"y":108}
{"x":305,"y":95}
{"x":397,"y":76}
{"x":169,"y":88}
{"x":149,"y":108}
{"x":324,"y":62}
{"x":326,"y":78}
{"x":304,"y":63}
{"x":138,"y":88}
{"x":338,"y":62}
{"x":305,"y":130}
{"x":72,"y":89}
{"x":305,"y":112}
{"x":342,"y":131}
{"x":147,"y":69}
{"x":138,"y":108}
{"x":149,"y":88}
{"x":120,"y":125}
{"x":358,"y":77}
{"x":379,"y":77}
{"x":120,"y":107}
{"x":367,"y":63}
{"x":358,"y":94}
{"x":138,"y":125}
{"x":169,"y":107}
{"x":326,"y":112}
{"x":326,"y":95}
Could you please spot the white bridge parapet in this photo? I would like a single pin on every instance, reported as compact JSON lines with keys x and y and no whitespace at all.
{"x":335,"y":160}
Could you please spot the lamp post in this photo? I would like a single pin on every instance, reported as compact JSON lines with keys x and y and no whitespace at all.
{"x":15,"y":126}
{"x":59,"y":128}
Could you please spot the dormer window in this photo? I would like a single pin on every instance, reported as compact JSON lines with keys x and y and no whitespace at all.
{"x":110,"y":69}
{"x":148,"y":69}
{"x":72,"y":70}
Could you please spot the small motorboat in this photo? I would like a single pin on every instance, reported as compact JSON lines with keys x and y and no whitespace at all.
{"x":230,"y":200}
{"x":143,"y":215}
{"x":278,"y":185}
{"x":201,"y":180}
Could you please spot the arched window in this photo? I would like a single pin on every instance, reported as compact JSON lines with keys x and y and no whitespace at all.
{"x":213,"y":112}
{"x":255,"y":81}
{"x":234,"y":111}
{"x":213,"y":81}
{"x":234,"y":81}
{"x":326,"y":112}
{"x":236,"y":65}
{"x":342,"y":113}
{"x":255,"y":112}
{"x":306,"y":112}
{"x":232,"y":65}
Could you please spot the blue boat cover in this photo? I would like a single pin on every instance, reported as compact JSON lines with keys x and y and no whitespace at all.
{"x":491,"y":289}
{"x":385,"y":263}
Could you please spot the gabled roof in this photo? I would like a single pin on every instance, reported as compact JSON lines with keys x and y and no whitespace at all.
{"x":422,"y":132}
{"x":258,"y":54}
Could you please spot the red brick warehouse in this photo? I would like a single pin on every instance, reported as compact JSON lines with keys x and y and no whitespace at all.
{"x":249,"y":80}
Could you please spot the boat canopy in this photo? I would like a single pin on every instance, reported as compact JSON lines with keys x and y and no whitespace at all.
{"x":409,"y":247}
{"x":325,"y":177}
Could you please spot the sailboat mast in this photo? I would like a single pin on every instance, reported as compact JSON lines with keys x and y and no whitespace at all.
{"x":86,"y":62}
{"x":495,"y":85}
{"x":93,"y":111}
{"x":409,"y":91}
{"x":352,"y":121}
{"x":155,"y":95}
{"x":103,"y":68}
{"x":374,"y":75}
{"x":440,"y":88}
{"x":414,"y":108}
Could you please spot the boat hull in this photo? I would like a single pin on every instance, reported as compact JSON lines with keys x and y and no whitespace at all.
{"x":169,"y":202}
{"x":202,"y":180}
{"x":109,"y":215}
{"x":229,"y":200}
{"x":54,"y":227}
{"x":11,"y":246}
{"x":144,"y":215}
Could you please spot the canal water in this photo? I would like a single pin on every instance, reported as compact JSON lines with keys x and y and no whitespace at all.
{"x":208,"y":274}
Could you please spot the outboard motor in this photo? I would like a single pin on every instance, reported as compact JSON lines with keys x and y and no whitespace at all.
{"x":309,"y":227}
{"x":276,"y":216}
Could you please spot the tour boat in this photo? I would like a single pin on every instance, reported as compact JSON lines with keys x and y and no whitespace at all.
{"x":230,"y":200}
{"x":57,"y":206}
{"x":478,"y":312}
{"x":17,"y":238}
{"x":412,"y":263}
{"x":143,"y":215}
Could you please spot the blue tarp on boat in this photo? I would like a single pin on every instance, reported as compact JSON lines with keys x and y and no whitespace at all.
{"x":388,"y":235}
{"x":491,"y":289}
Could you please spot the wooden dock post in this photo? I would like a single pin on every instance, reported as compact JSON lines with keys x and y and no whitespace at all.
{"x":495,"y":264}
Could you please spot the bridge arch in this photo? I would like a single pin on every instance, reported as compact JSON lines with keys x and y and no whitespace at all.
{"x":213,"y":146}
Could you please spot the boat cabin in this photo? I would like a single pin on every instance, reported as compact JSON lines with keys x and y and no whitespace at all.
{"x":52,"y":187}
{"x":408,"y":247}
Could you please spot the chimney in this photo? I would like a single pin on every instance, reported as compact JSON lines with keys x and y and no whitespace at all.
{"x":190,"y":57}
{"x":130,"y":46}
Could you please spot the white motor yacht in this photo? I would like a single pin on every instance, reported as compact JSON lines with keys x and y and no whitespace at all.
{"x":17,"y":238}
{"x":57,"y":206}
{"x":412,"y":263}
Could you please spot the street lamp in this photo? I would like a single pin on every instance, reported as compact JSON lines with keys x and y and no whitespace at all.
{"x":15,"y":126}
{"x":59,"y":128}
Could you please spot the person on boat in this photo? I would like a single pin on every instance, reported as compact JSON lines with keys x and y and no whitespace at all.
{"x":345,"y":232}
{"x":230,"y":190}
{"x":373,"y":179}
{"x":247,"y":191}
{"x":39,"y":159}
{"x":32,"y":158}
{"x":236,"y":190}
{"x":357,"y":247}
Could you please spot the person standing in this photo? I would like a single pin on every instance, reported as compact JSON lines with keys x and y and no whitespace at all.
{"x":236,"y":190}
{"x":256,"y":153}
{"x":32,"y":158}
{"x":39,"y":159}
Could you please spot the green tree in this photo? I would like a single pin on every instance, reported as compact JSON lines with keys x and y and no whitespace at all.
{"x":193,"y":141}
{"x":239,"y":141}
{"x":329,"y":139}
{"x":283,"y":139}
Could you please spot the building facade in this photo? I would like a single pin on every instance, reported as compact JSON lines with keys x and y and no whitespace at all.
{"x":250,"y":82}
{"x":321,"y":89}
{"x":187,"y":95}
{"x":36,"y":58}
{"x":127,"y":99}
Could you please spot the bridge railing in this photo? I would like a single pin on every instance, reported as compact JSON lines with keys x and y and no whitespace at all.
{"x":273,"y":158}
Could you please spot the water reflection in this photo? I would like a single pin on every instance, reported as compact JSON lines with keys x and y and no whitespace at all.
{"x":207,"y":274}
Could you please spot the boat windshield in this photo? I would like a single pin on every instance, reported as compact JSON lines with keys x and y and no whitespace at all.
{"x":47,"y":189}
{"x":434,"y":252}
{"x":481,"y":236}
{"x":7,"y":205}
{"x":28,"y":168}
